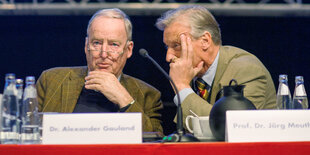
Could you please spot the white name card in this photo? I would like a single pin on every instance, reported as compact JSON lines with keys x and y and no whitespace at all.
{"x":92,"y":128}
{"x":268,"y":125}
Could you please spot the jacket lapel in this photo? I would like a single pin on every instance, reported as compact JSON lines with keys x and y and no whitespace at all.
{"x":221,"y":67}
{"x":72,"y":88}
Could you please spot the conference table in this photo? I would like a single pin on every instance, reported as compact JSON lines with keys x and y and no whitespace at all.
{"x":210,"y":148}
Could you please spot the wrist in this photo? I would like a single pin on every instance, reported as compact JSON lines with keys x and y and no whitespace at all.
{"x":127,"y":102}
{"x":182,"y":86}
{"x":123,"y":109}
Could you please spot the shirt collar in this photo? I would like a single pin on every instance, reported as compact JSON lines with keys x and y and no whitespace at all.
{"x":208,"y":77}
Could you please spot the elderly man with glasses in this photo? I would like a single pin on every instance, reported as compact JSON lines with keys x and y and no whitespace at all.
{"x":101,"y":86}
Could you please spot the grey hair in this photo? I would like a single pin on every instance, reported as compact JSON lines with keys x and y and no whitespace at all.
{"x":199,"y":19}
{"x":113,"y":13}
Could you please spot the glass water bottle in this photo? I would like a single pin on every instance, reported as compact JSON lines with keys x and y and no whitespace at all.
{"x":283,"y":94}
{"x":30,"y":120}
{"x":300,"y":100}
{"x":9,"y":112}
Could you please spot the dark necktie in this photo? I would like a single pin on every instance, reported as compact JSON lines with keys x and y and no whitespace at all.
{"x":202,"y":88}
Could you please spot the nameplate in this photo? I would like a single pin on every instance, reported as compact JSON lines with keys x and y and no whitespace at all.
{"x":92,"y":128}
{"x":268,"y":125}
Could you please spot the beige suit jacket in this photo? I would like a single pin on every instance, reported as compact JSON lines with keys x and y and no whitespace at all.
{"x":59,"y":89}
{"x":247,"y":69}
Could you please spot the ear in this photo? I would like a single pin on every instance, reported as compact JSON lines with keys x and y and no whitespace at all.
{"x":129,"y":48}
{"x":86,"y":45}
{"x":206,"y":40}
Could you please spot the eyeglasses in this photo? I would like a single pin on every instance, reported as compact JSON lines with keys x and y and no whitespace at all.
{"x":113,"y":48}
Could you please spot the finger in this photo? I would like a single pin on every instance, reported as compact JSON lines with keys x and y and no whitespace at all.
{"x":94,"y":84}
{"x":91,"y":82}
{"x":198,"y":68}
{"x":90,"y":77}
{"x":96,"y":74}
{"x":190,"y":53}
{"x":184,"y":47}
{"x":93,"y":87}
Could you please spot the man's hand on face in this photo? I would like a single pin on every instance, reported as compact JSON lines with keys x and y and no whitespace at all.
{"x":109,"y":86}
{"x":182,"y":70}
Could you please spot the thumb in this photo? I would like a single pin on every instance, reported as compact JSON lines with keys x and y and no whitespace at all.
{"x":198,"y":68}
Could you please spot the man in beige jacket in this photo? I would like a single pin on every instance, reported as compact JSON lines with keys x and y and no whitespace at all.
{"x":194,"y":50}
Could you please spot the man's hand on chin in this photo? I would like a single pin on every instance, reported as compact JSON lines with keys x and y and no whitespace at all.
{"x":108,"y":84}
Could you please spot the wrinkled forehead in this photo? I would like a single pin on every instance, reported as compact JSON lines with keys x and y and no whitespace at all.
{"x":107,"y":27}
{"x":174,"y":30}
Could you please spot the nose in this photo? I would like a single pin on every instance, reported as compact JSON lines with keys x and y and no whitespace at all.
{"x":170,"y":55}
{"x":104,"y":49}
{"x":103,"y":54}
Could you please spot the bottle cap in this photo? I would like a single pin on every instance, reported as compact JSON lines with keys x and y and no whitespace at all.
{"x":9,"y":76}
{"x":299,"y":78}
{"x":30,"y":79}
{"x":19,"y":81}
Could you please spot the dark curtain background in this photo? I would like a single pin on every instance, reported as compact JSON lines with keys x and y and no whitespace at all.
{"x":31,"y":44}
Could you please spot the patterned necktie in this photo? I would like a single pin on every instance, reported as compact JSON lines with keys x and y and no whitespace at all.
{"x":202,"y":88}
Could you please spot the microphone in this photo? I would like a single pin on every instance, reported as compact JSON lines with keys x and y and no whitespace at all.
{"x":179,"y":136}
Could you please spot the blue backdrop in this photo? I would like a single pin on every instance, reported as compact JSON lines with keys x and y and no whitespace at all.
{"x":31,"y":44}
